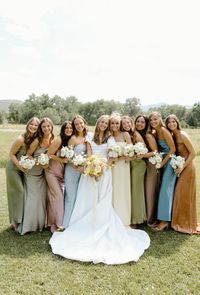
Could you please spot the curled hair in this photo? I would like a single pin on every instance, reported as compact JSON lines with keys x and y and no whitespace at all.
{"x":106,"y":134}
{"x":40,"y":133}
{"x":172,"y":116}
{"x":132,"y":130}
{"x":29,"y":137}
{"x":73,"y":125}
{"x":114,"y":116}
{"x":65,"y":138}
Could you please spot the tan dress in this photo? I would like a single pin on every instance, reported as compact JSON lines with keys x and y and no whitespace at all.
{"x":122,"y":190}
{"x":55,"y":186}
{"x":184,"y":218}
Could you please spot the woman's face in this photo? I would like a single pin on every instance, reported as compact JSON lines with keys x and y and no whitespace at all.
{"x":79,"y":125}
{"x":68,"y":129}
{"x":172,"y":124}
{"x":126,"y":124}
{"x":46,"y":128}
{"x":154,"y":121}
{"x":103,"y":124}
{"x":33,"y":126}
{"x":115,"y":124}
{"x":140,"y":124}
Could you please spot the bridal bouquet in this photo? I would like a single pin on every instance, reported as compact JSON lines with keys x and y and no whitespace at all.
{"x":79,"y":160}
{"x":156,"y":159}
{"x":94,"y":166}
{"x":26,"y":163}
{"x":67,"y":152}
{"x":177,"y":161}
{"x":140,"y":148}
{"x":115,"y":151}
{"x":43,"y":159}
{"x":128,"y":150}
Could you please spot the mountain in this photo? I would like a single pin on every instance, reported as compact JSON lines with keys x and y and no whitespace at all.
{"x":5,"y":103}
{"x":154,"y":105}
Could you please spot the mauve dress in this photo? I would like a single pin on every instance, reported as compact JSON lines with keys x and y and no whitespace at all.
{"x":184,"y":215}
{"x":55,"y":193}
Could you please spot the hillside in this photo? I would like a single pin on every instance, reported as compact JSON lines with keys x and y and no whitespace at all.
{"x":5,"y":103}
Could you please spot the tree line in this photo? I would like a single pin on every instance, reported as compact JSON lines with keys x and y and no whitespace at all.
{"x":61,"y":109}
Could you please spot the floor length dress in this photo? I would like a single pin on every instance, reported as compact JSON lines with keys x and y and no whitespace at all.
{"x":15,"y":189}
{"x":71,"y":181}
{"x":168,"y":180}
{"x":55,"y":193}
{"x":95,"y":231}
{"x":184,"y":215}
{"x":35,"y":198}
{"x":122,"y":190}
{"x":138,"y":207}
{"x":152,"y":180}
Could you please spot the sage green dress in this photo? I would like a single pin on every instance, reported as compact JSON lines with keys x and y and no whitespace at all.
{"x":35,"y":198}
{"x":15,"y":189}
{"x":138,"y":208}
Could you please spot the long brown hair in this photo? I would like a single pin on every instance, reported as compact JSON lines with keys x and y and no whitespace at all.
{"x":40,"y":133}
{"x":96,"y":131}
{"x":152,"y":130}
{"x":73,"y":125}
{"x":29,"y":137}
{"x":63,"y":136}
{"x":172,"y":116}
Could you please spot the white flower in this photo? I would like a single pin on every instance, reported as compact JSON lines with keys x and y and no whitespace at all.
{"x":128,"y":150}
{"x":177,"y":161}
{"x":115,"y":151}
{"x":79,"y":160}
{"x":156,"y":159}
{"x":26,"y":163}
{"x":43,"y":159}
{"x":140,"y":148}
{"x":67,"y":152}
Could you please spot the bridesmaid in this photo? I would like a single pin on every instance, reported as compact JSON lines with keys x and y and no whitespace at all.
{"x":166,"y":145}
{"x":55,"y":178}
{"x":152,"y":176}
{"x":184,"y":215}
{"x":35,"y":183}
{"x":72,"y":173}
{"x":138,"y":168}
{"x":121,"y":174}
{"x":15,"y":175}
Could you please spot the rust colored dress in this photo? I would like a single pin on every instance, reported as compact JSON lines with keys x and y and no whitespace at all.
{"x":184,"y":218}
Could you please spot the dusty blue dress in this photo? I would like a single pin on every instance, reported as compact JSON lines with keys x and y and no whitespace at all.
{"x":168,"y":180}
{"x":71,"y":181}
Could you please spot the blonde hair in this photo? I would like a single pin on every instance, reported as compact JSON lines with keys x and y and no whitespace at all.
{"x":106,"y":132}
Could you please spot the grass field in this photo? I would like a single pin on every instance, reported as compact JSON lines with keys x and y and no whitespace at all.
{"x":170,"y":266}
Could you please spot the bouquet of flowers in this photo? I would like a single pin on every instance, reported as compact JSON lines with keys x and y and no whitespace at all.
{"x":26,"y":163}
{"x":156,"y":159}
{"x":177,"y":161}
{"x":128,"y":150}
{"x":140,"y":148}
{"x":79,"y":160}
{"x":67,"y":152}
{"x":94,"y":166}
{"x":115,"y":151}
{"x":43,"y":159}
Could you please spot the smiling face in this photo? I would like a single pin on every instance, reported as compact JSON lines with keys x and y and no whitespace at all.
{"x":33,"y":126}
{"x":46,"y":128}
{"x":103,"y":124}
{"x":171,"y":124}
{"x":115,"y":124}
{"x":126,"y":124}
{"x":155,"y":121}
{"x":140,"y":123}
{"x":68,"y":129}
{"x":79,"y":125}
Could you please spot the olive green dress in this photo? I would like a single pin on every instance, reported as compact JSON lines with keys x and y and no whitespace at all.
{"x":35,"y":198}
{"x":15,"y":189}
{"x":138,"y":208}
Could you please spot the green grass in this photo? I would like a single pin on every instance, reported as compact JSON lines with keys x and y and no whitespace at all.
{"x":170,"y":266}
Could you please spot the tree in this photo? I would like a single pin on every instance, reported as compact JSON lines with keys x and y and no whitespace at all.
{"x":193,"y":117}
{"x":132,"y":106}
{"x":2,"y":116}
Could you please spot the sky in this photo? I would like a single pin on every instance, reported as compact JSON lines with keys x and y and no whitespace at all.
{"x":101,"y":49}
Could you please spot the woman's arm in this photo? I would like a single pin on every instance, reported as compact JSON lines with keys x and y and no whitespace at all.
{"x":170,"y":142}
{"x":188,"y":143}
{"x":18,"y":143}
{"x":53,"y":148}
{"x":33,"y":147}
{"x":152,"y":144}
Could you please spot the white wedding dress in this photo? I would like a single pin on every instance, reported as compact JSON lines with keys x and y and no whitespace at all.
{"x":95,"y":232}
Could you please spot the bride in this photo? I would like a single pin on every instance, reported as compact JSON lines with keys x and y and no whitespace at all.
{"x":95,"y":232}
